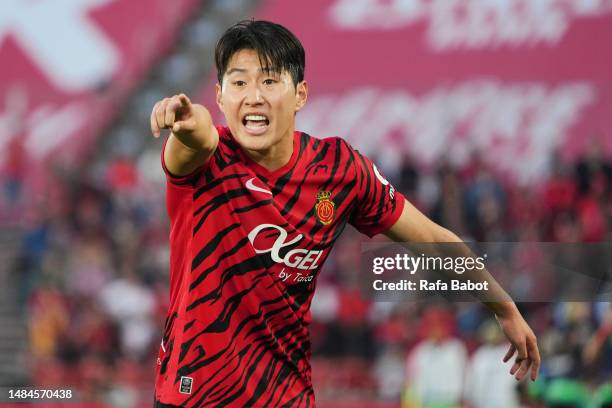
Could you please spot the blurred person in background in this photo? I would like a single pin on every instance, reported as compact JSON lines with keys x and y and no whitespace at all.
{"x":131,"y":304}
{"x":239,"y":195}
{"x":436,"y":366}
{"x":487,"y":385}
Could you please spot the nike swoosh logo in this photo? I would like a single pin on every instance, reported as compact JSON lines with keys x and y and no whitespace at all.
{"x":249,"y":184}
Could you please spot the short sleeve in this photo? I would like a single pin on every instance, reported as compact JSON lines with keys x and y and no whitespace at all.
{"x":379,"y":204}
{"x":185,"y":180}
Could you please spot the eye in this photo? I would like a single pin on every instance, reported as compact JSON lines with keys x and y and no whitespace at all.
{"x":239,"y":83}
{"x":270,"y":81}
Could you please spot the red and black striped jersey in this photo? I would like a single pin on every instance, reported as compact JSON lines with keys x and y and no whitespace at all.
{"x":246,"y":245}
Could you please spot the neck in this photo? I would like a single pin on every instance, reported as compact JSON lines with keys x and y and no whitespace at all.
{"x":276,"y":156}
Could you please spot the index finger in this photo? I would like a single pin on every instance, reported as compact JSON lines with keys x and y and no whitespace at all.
{"x":185,"y":101}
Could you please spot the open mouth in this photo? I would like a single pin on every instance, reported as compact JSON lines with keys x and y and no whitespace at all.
{"x":255,"y":123}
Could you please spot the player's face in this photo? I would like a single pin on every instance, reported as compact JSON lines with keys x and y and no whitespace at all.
{"x":259,"y":106}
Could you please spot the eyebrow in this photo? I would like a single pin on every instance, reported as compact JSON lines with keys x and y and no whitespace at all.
{"x":231,"y":71}
{"x":242,"y":70}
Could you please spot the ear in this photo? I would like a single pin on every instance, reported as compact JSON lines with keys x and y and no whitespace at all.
{"x":218,"y":97}
{"x":301,"y":95}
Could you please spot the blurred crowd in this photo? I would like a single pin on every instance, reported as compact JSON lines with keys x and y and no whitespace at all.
{"x":92,"y":277}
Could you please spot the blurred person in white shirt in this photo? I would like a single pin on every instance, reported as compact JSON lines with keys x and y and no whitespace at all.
{"x":436,"y":366}
{"x":132,"y":305}
{"x":487,"y":385}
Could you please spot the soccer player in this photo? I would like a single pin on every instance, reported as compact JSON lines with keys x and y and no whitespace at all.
{"x":255,"y":208}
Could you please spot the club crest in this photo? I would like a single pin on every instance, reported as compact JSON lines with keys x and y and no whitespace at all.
{"x":324,"y":207}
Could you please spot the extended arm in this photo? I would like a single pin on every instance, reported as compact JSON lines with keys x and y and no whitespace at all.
{"x":414,"y":227}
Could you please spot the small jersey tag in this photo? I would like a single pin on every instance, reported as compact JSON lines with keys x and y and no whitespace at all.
{"x":186,"y":384}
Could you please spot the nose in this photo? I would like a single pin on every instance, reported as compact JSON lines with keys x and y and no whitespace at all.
{"x":254,"y":96}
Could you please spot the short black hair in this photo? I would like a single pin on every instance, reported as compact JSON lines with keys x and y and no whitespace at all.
{"x":277,"y":48}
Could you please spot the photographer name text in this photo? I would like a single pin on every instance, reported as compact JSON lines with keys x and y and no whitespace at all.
{"x":426,"y":285}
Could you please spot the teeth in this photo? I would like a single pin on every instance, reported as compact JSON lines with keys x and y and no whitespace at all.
{"x":255,"y":117}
